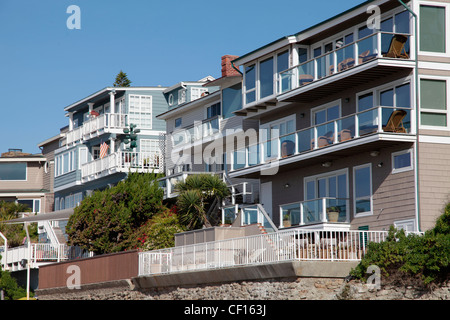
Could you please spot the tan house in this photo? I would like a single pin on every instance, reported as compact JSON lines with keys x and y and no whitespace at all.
{"x":352,"y":119}
{"x":22,"y":179}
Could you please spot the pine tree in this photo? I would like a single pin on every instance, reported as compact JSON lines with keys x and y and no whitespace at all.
{"x":122,"y":80}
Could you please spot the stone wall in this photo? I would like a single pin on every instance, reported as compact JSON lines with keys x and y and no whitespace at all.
{"x":296,"y":288}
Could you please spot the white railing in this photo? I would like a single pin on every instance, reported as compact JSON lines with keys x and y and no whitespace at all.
{"x":39,"y":253}
{"x":198,"y":131}
{"x":366,"y":49}
{"x":121,"y":161}
{"x":97,"y":125}
{"x":378,"y":119}
{"x":289,"y":245}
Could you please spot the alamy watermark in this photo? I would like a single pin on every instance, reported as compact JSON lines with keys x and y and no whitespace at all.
{"x":74,"y":20}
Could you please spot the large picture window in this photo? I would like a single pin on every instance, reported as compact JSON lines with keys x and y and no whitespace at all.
{"x":13,"y":171}
{"x":140,"y":110}
{"x":432,"y":29}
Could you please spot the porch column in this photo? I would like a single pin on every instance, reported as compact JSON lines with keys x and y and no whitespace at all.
{"x":70,"y":121}
{"x":112,"y":101}
{"x":91,"y":106}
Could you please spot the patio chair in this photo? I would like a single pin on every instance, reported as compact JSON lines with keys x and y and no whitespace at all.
{"x":397,"y":47}
{"x":305,"y":78}
{"x":287,"y":148}
{"x":395,"y":122}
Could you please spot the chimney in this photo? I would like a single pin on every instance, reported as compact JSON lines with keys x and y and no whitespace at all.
{"x":227,"y":68}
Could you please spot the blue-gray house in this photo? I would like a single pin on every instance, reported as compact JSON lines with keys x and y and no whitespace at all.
{"x":96,"y":153}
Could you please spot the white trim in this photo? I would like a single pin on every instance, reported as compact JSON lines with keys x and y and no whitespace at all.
{"x":403,"y":169}
{"x":367,"y":213}
{"x":435,"y":139}
{"x":323,"y":151}
{"x":398,"y":223}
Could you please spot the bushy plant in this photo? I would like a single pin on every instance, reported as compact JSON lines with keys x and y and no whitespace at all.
{"x":197,"y":197}
{"x":11,"y":290}
{"x":107,"y":220}
{"x":413,"y":259}
{"x":15,"y":233}
{"x":159,"y":232}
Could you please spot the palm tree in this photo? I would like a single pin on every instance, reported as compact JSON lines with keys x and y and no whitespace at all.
{"x":199,"y":198}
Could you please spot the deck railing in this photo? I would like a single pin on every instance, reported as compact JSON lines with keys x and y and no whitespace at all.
{"x":39,"y":253}
{"x":122,"y":161}
{"x":97,"y":125}
{"x":288,"y":245}
{"x":374,"y":120}
{"x":353,"y":54}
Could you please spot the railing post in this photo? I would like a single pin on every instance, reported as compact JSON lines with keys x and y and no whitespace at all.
{"x":324,"y":210}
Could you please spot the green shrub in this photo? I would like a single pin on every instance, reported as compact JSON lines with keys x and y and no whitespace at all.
{"x":413,"y":259}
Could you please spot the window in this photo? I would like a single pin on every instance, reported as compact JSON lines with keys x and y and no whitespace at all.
{"x":326,"y":113}
{"x":250,"y":84}
{"x":33,"y":204}
{"x":272,"y":131}
{"x":149,"y":145}
{"x":196,"y":93}
{"x":362,"y":190}
{"x":65,"y":163}
{"x":402,"y":161}
{"x":213,"y":110}
{"x":13,"y":171}
{"x":181,"y":96}
{"x":365,"y":102}
{"x":432,"y":29}
{"x":333,"y":185}
{"x":231,"y":100}
{"x":433,"y":102}
{"x":178,"y":122}
{"x":140,"y":111}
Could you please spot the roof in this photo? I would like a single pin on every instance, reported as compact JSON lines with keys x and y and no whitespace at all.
{"x":296,"y":35}
{"x":51,"y":216}
{"x":103,"y":92}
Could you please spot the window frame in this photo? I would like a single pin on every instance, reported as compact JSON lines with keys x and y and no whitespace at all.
{"x":435,"y":111}
{"x":365,"y":213}
{"x":275,"y":75}
{"x":403,"y":169}
{"x":26,"y":172}
{"x":446,"y":6}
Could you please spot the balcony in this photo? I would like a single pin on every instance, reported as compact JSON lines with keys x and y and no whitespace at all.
{"x":121,"y":161}
{"x":382,"y":53}
{"x":394,"y":123}
{"x":316,"y":211}
{"x":196,"y":132}
{"x":96,"y":126}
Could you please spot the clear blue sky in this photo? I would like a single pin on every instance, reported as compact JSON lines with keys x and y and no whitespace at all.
{"x":45,"y":66}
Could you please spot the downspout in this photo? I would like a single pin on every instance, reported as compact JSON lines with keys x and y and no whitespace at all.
{"x":416,"y":85}
{"x":234,"y":67}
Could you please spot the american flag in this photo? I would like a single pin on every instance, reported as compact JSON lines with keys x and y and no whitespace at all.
{"x":103,"y":150}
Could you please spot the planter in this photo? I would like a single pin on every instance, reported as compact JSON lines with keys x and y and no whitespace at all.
{"x":333,"y":216}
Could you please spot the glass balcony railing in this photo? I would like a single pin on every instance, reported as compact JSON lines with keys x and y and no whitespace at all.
{"x":196,"y":132}
{"x":323,"y":210}
{"x":374,"y":120}
{"x":377,"y":45}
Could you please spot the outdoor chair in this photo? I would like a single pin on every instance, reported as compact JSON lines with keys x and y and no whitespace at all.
{"x":395,"y":122}
{"x":397,"y":47}
{"x":305,"y":78}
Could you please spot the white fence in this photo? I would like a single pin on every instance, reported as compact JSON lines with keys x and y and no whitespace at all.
{"x":289,"y":245}
{"x":38,"y":253}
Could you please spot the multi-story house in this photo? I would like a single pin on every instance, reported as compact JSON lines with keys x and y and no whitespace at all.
{"x":22,"y":179}
{"x":111,"y":132}
{"x":352,"y":119}
{"x":201,"y":128}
